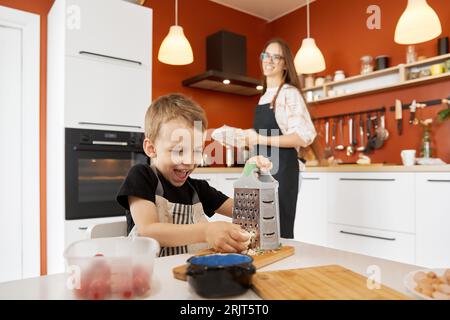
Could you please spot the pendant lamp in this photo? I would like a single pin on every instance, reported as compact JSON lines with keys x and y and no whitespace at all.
{"x":419,"y":23}
{"x":309,"y":59}
{"x":175,"y":48}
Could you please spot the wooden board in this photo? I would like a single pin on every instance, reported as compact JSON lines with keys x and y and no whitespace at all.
{"x":259,"y":261}
{"x":319,"y":283}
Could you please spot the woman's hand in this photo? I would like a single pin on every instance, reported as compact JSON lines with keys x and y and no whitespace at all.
{"x":252,"y":138}
{"x":261,"y":162}
{"x":226,"y":237}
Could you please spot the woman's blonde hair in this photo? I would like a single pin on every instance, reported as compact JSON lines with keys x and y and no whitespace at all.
{"x":170,"y":107}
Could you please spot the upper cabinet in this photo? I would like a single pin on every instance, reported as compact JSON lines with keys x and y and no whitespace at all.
{"x":99,"y":64}
{"x":106,"y":28}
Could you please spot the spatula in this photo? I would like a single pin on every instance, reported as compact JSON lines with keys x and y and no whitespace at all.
{"x":340,"y":146}
{"x":327,"y":152}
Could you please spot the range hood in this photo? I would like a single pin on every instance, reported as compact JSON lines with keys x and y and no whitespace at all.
{"x":226,"y":64}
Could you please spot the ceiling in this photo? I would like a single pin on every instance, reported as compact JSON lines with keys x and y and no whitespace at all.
{"x":268,"y":10}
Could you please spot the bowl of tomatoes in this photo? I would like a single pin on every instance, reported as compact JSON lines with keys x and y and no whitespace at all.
{"x":111,"y":268}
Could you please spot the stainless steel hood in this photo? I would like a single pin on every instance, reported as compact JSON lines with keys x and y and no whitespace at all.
{"x":226,"y":61}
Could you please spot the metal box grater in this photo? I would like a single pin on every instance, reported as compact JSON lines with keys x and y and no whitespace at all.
{"x":256,"y":207}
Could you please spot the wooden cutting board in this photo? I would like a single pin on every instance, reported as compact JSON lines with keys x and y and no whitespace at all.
{"x":259,"y":261}
{"x":319,"y":283}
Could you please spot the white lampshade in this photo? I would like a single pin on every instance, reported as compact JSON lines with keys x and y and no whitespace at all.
{"x":175,"y":48}
{"x":419,"y":23}
{"x":309,"y":59}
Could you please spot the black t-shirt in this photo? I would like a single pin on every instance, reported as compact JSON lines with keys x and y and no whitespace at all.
{"x":141,"y":182}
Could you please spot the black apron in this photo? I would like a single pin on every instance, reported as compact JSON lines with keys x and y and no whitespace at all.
{"x":285,"y":167}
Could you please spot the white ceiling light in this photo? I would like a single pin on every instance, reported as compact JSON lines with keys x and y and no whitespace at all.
{"x":175,"y":48}
{"x":309,"y":59}
{"x":418,"y":23}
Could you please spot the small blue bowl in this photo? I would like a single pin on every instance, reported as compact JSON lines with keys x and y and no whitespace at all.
{"x":220,"y":275}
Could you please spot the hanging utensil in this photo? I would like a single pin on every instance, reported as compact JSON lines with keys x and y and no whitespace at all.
{"x":398,"y":116}
{"x":333,"y":138}
{"x":340,"y":146}
{"x":412,"y":112}
{"x":383,"y":126}
{"x":369,"y":141}
{"x":361,"y":134}
{"x":350,"y":138}
{"x":355,"y":133}
{"x":379,"y":134}
{"x":327,"y":151}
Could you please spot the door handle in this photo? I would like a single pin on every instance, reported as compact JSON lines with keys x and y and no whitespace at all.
{"x":366,"y":235}
{"x":109,"y":57}
{"x":437,"y":180}
{"x":303,"y":178}
{"x":82,"y":228}
{"x":364,"y":179}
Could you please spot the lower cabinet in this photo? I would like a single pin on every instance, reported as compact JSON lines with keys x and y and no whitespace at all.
{"x":76,"y":230}
{"x":382,"y":244}
{"x":311,"y":217}
{"x":433,"y":220}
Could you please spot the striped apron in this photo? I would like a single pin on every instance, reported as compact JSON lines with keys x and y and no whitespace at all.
{"x":177,"y":213}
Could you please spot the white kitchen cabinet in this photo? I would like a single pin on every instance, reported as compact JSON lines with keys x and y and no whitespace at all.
{"x":389,"y":245}
{"x":117,"y":29}
{"x":377,"y":200}
{"x":100,"y":71}
{"x":433,"y":219}
{"x":106,"y":93}
{"x":311,"y":219}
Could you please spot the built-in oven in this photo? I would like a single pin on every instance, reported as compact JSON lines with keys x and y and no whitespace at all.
{"x":96,"y":164}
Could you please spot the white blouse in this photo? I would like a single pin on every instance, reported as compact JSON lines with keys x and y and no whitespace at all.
{"x":291,"y":113}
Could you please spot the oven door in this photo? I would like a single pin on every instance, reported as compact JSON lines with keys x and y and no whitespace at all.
{"x":94,"y":175}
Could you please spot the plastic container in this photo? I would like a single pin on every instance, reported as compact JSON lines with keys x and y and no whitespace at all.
{"x":111,"y":268}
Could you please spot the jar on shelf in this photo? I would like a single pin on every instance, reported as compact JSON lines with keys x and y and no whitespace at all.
{"x":309,"y":81}
{"x":319,"y":81}
{"x":339,"y":75}
{"x":411,"y":54}
{"x":366,"y":64}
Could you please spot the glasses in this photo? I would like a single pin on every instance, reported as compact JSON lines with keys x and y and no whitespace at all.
{"x":275,"y":58}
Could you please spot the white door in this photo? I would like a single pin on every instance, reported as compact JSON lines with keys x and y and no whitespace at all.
{"x":11,"y":156}
{"x":19,"y":141}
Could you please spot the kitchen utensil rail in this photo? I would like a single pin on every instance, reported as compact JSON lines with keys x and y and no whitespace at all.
{"x":349,"y":114}
{"x":428,"y":103}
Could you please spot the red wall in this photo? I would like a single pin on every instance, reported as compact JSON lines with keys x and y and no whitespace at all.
{"x":199,"y":19}
{"x":339,"y":27}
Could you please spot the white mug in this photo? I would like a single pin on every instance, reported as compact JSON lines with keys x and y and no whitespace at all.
{"x":408,"y":157}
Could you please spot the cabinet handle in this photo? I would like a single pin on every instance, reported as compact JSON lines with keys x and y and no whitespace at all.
{"x":109,"y":57}
{"x":109,"y":125}
{"x":82,"y":228}
{"x":366,"y":235}
{"x":364,"y":179}
{"x":435,"y":180}
{"x":303,"y":178}
{"x":231,"y":179}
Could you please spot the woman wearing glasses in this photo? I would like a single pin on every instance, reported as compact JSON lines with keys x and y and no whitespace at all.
{"x":282,"y":125}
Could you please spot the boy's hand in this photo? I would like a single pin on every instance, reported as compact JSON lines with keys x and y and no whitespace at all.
{"x":226,"y":237}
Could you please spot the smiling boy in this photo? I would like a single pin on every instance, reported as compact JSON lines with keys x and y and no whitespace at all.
{"x":161,"y":200}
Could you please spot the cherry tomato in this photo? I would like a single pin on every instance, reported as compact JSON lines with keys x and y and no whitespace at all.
{"x":98,"y":289}
{"x":141,"y":281}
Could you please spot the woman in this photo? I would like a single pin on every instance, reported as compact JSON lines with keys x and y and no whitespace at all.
{"x":282,"y":125}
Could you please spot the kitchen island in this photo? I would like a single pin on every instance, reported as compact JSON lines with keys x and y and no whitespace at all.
{"x":165,"y":286}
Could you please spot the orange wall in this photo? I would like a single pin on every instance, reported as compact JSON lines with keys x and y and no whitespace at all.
{"x":339,"y":27}
{"x":199,"y":19}
{"x":41,"y":7}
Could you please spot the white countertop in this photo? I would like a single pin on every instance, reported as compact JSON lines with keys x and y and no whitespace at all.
{"x":343,"y":168}
{"x":165,"y":286}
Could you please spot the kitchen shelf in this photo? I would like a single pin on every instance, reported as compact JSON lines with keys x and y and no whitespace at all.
{"x":378,"y":81}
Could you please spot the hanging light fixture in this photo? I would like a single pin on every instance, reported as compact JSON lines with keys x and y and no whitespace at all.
{"x":175,"y":48}
{"x":419,"y":23}
{"x":309,"y":59}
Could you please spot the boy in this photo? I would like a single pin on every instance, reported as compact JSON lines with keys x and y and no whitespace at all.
{"x":162,"y":202}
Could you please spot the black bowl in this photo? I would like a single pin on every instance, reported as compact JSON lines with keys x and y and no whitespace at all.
{"x":220,"y":275}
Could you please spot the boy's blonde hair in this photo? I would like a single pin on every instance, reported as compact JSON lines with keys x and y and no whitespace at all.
{"x":170,"y":107}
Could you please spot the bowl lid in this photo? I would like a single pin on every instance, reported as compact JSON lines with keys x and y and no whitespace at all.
{"x":220,"y":260}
